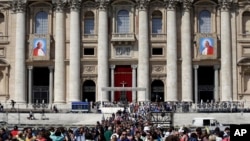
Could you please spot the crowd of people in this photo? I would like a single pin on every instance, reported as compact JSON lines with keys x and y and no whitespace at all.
{"x":120,"y":126}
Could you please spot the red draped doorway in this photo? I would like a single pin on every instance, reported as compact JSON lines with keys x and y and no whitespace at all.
{"x":123,"y":77}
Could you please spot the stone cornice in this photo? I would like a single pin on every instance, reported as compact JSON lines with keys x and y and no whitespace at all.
{"x":102,"y":4}
{"x":142,"y":4}
{"x":19,"y":6}
{"x":225,"y":4}
{"x":75,"y":5}
{"x":59,"y":5}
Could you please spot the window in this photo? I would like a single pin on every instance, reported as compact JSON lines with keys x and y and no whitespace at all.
{"x":1,"y":24}
{"x":205,"y":22}
{"x":89,"y":51}
{"x":123,"y":21}
{"x":246,"y":22}
{"x":157,"y":51}
{"x":41,"y":23}
{"x":157,"y":22}
{"x":89,"y":23}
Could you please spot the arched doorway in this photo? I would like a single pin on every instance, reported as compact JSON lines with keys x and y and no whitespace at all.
{"x":40,"y":85}
{"x":88,"y":91}
{"x":157,"y":91}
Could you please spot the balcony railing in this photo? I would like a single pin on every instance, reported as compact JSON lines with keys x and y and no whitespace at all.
{"x":158,"y":37}
{"x":123,"y":37}
{"x":4,"y":39}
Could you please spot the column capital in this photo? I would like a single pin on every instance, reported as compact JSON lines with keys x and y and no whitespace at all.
{"x":59,"y":5}
{"x":196,"y":67}
{"x":51,"y":67}
{"x":30,"y":67}
{"x":102,"y":4}
{"x":134,"y":66}
{"x":225,"y":5}
{"x":171,"y":4}
{"x":216,"y":67}
{"x":75,"y":5}
{"x":112,"y":66}
{"x":186,"y":4}
{"x":142,"y":4}
{"x":19,"y":6}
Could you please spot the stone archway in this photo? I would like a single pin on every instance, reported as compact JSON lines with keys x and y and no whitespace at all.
{"x":89,"y":91}
{"x":157,"y":91}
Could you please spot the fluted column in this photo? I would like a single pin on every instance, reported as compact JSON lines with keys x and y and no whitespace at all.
{"x":59,"y":84}
{"x":143,"y":55}
{"x":134,"y":82}
{"x":216,"y":83}
{"x":51,"y":80}
{"x":75,"y":59}
{"x":226,"y":69}
{"x":30,"y":82}
{"x":186,"y":68}
{"x":20,"y":69}
{"x":171,"y":52}
{"x":103,"y":67}
{"x":112,"y":67}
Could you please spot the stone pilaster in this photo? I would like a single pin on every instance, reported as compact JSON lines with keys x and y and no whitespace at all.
{"x":59,"y":84}
{"x":19,"y":7}
{"x":134,"y":95}
{"x":143,"y":56}
{"x":216,"y":83}
{"x":226,"y":56}
{"x":196,"y":83}
{"x":112,"y":67}
{"x":51,"y":86}
{"x":171,"y":51}
{"x":186,"y":54}
{"x":30,"y":83}
{"x":103,"y":69}
{"x":75,"y":49}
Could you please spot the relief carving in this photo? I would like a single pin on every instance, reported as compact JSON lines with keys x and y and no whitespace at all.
{"x":158,"y":69}
{"x":89,"y":69}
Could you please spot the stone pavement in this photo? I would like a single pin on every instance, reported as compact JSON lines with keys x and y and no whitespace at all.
{"x":79,"y":119}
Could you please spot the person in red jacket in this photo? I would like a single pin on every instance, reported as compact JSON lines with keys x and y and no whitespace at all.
{"x":14,"y":132}
{"x":208,"y":49}
{"x":38,"y":50}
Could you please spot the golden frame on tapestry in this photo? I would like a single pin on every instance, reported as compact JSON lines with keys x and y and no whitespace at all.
{"x":40,"y":47}
{"x":207,"y":46}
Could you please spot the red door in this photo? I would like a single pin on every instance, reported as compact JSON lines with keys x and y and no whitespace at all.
{"x":123,"y":77}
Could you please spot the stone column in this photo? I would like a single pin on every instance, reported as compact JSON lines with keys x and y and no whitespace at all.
{"x":196,"y":83}
{"x":20,"y":69}
{"x":112,"y":67}
{"x":51,"y":82}
{"x":59,"y":84}
{"x":75,"y":59}
{"x":186,"y":67}
{"x":171,"y":52}
{"x":134,"y":82}
{"x":143,"y":55}
{"x":30,"y":76}
{"x":103,"y":69}
{"x":216,"y":83}
{"x":226,"y":69}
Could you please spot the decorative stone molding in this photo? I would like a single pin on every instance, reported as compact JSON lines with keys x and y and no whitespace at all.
{"x":134,"y":66}
{"x":59,"y":5}
{"x":89,"y":69}
{"x":142,"y":4}
{"x":187,"y":4}
{"x":159,"y":77}
{"x":90,"y":77}
{"x":157,"y":69}
{"x":75,"y":5}
{"x":171,"y":4}
{"x":225,"y":5}
{"x":112,"y":67}
{"x":102,"y":4}
{"x":19,"y":5}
